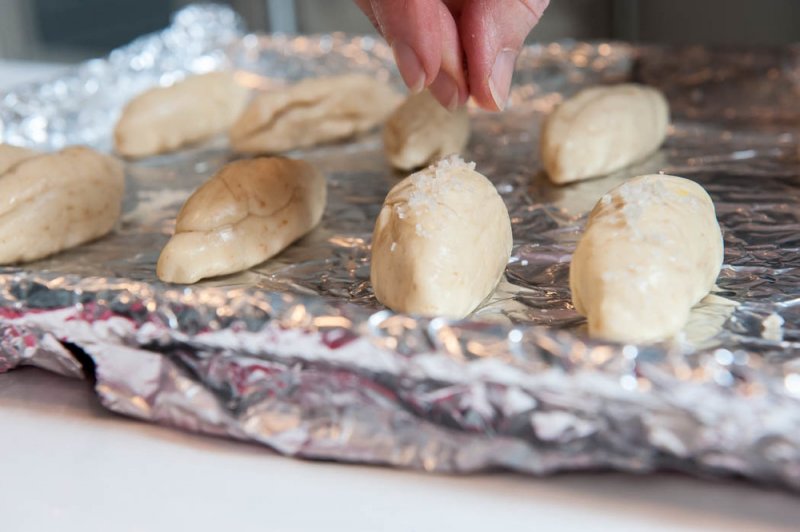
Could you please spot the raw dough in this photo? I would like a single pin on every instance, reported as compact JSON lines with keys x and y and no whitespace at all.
{"x":13,"y":155}
{"x":165,"y":119}
{"x":421,"y":131}
{"x":53,"y":202}
{"x":652,"y":249}
{"x":602,"y":130}
{"x":441,"y":243}
{"x":247,"y":213}
{"x":312,"y":112}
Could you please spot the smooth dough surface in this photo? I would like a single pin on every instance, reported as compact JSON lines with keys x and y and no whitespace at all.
{"x":50,"y":202}
{"x":441,"y":243}
{"x":165,"y":119}
{"x":311,"y":112}
{"x":652,"y":249}
{"x":13,"y":155}
{"x":247,"y":213}
{"x":421,"y":132}
{"x":602,"y":130}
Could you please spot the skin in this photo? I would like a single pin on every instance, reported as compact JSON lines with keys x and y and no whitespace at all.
{"x":456,"y":48}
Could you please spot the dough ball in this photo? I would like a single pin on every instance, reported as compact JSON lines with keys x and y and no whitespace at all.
{"x":165,"y":119}
{"x":50,"y":202}
{"x":441,"y":243}
{"x":247,"y":213}
{"x":602,"y":130}
{"x":312,"y":112}
{"x":421,"y":132}
{"x":652,"y":249}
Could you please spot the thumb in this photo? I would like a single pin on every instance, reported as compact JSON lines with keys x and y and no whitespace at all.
{"x":492,"y":33}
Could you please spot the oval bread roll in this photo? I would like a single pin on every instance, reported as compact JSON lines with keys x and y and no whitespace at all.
{"x":652,"y":250}
{"x":247,"y":213}
{"x":441,"y":243}
{"x":52,"y":202}
{"x":165,"y":119}
{"x":312,"y":112}
{"x":421,"y":131}
{"x":602,"y":130}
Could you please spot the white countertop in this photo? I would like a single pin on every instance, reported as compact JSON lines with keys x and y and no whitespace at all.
{"x":67,"y":464}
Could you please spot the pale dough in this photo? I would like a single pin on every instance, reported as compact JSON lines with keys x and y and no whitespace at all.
{"x":13,"y":155}
{"x":421,"y":131}
{"x":441,"y":243}
{"x":56,"y":201}
{"x":602,"y":130}
{"x":652,"y":249}
{"x":247,"y":213}
{"x":165,"y":119}
{"x":311,"y":112}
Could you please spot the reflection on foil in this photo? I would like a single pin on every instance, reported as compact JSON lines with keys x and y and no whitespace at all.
{"x":298,"y":355}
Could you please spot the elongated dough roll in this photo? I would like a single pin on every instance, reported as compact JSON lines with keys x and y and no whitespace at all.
{"x":13,"y":155}
{"x":441,"y":243}
{"x":165,"y":119}
{"x":602,"y":130}
{"x":52,"y":202}
{"x":314,"y":111}
{"x":652,"y":250}
{"x":247,"y":213}
{"x":421,"y":131}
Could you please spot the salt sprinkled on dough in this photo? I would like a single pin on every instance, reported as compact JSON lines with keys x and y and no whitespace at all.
{"x":429,"y":186}
{"x":394,"y":247}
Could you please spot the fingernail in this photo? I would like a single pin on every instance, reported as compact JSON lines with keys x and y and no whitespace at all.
{"x":445,"y":89}
{"x":410,"y":67}
{"x":502,"y":73}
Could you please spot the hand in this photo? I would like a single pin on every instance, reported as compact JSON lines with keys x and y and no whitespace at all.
{"x":456,"y":48}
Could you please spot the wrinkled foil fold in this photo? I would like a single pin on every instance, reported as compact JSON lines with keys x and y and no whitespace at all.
{"x":296,"y":354}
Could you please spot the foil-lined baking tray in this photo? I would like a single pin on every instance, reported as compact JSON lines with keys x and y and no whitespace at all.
{"x":297,"y":354}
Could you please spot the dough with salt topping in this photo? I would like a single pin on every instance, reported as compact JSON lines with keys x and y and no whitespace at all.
{"x":164,"y":119}
{"x":311,"y":112}
{"x":421,"y":131}
{"x":602,"y":130}
{"x":247,"y":213}
{"x":50,"y":202}
{"x":441,"y":243}
{"x":652,"y":249}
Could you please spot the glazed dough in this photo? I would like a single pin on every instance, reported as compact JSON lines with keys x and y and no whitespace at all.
{"x":652,"y":249}
{"x":165,"y":119}
{"x":441,"y":243}
{"x":53,"y":202}
{"x":421,"y":131}
{"x":602,"y":130}
{"x":312,"y":112}
{"x":247,"y":213}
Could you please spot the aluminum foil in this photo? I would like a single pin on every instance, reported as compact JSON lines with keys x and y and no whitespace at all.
{"x":297,"y":354}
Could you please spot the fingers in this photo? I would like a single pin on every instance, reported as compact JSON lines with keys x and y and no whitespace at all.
{"x":413,"y":29}
{"x":492,"y":34}
{"x":450,"y":85}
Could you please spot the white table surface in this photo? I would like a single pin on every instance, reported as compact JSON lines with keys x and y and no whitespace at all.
{"x":67,"y":465}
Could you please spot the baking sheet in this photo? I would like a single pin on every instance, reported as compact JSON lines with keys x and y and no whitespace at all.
{"x":297,"y":354}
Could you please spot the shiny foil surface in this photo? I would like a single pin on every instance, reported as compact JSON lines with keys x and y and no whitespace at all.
{"x":298,"y":355}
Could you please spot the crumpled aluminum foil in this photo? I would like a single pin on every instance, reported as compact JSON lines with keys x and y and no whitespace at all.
{"x":297,"y":354}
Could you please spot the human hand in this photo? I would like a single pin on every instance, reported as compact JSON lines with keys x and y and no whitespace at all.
{"x":456,"y":48}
